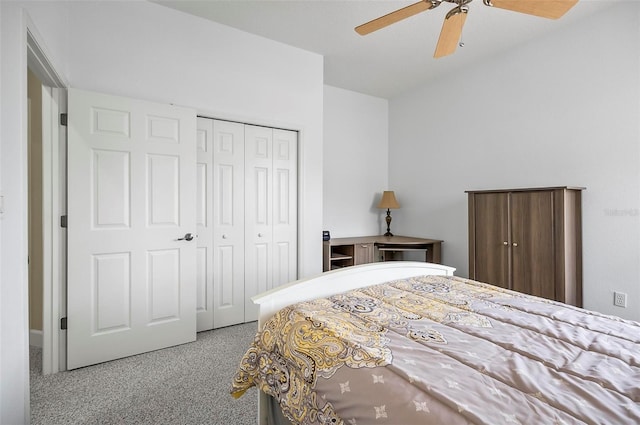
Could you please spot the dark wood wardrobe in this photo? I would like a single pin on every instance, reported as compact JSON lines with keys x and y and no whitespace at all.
{"x":528,"y":240}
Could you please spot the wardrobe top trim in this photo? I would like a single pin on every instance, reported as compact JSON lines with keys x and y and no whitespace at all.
{"x":531,"y":189}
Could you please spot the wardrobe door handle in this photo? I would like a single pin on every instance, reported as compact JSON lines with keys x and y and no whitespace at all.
{"x":515,"y":244}
{"x":505,"y":243}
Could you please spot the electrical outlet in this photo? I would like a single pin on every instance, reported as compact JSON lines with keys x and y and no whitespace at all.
{"x":620,"y":299}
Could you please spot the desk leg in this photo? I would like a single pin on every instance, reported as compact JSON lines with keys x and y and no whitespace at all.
{"x":434,"y":253}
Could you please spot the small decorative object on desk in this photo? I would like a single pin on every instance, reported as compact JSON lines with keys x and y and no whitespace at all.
{"x":325,"y":235}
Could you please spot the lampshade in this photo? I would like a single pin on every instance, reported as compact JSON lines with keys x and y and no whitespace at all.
{"x":388,"y":200}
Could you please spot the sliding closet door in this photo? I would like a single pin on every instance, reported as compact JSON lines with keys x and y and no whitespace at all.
{"x":258,"y":215}
{"x":270,"y":211}
{"x":204,"y":223}
{"x":228,"y":223}
{"x":249,"y":245}
{"x":285,"y":206}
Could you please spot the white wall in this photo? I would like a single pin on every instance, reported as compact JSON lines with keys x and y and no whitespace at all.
{"x":143,"y":50}
{"x":147,"y":51}
{"x":355,"y":162}
{"x":563,"y":110}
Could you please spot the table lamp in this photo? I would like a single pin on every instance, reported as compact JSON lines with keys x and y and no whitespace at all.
{"x":388,"y":201}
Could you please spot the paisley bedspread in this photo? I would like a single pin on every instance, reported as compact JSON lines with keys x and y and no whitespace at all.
{"x":445,"y":350}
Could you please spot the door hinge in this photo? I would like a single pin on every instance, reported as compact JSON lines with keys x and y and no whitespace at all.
{"x":63,"y":323}
{"x":63,"y":119}
{"x":63,"y":221}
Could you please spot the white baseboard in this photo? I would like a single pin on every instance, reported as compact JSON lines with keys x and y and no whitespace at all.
{"x":35,"y":338}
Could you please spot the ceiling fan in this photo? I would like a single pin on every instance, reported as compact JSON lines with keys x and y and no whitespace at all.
{"x":454,"y":21}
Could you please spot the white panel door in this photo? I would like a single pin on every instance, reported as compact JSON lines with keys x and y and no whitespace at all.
{"x":204,"y":224}
{"x":131,"y":196}
{"x":258,"y":215}
{"x":285,"y":207}
{"x":228,"y":223}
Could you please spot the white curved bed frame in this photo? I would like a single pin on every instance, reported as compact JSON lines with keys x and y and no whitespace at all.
{"x":341,"y":280}
{"x":329,"y":283}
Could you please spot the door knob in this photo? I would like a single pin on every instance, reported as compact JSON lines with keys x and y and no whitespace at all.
{"x":505,"y":243}
{"x":515,"y":244}
{"x":186,"y":237}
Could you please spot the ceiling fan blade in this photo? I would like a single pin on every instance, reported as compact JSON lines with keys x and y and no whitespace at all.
{"x":393,"y":17}
{"x":552,"y":9}
{"x":451,"y":32}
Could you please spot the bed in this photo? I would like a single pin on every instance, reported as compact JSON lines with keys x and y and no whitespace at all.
{"x":409,"y":343}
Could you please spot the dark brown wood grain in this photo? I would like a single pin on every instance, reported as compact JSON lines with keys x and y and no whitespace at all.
{"x":528,"y":240}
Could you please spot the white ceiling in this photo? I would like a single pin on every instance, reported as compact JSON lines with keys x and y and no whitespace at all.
{"x":389,"y":61}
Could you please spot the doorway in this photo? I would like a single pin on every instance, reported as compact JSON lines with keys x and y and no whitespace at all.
{"x":34,"y":212}
{"x":47,"y":202}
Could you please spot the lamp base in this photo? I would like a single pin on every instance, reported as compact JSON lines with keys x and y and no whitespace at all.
{"x":388,"y":219}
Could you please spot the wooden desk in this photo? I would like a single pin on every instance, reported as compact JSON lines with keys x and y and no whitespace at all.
{"x":344,"y":252}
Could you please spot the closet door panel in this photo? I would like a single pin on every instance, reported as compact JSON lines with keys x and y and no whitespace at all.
{"x":228,"y":223}
{"x":258,"y":214}
{"x":285,"y":208}
{"x":204,"y":202}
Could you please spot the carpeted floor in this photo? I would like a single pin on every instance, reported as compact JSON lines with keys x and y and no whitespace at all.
{"x":186,"y":384}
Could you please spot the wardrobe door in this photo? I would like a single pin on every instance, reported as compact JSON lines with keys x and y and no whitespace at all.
{"x":490,"y":238}
{"x":228,"y":223}
{"x":532,"y":243}
{"x":258,"y":215}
